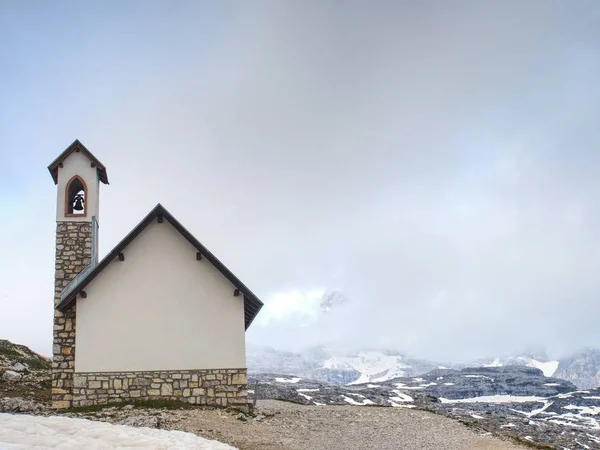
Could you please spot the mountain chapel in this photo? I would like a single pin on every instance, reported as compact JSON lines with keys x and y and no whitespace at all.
{"x":159,"y":317}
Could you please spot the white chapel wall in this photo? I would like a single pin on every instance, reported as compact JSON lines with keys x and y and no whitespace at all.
{"x":159,"y":309}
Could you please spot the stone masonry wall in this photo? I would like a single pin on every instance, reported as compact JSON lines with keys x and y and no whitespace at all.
{"x":73,"y":254}
{"x":215,"y":387}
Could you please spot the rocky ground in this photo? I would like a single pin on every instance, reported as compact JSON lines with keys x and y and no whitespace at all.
{"x":516,"y":402}
{"x":277,"y":425}
{"x":24,"y":379}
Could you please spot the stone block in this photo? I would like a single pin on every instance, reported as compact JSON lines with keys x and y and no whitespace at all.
{"x":226,"y":388}
{"x":79,"y":381}
{"x":141,"y":382}
{"x":239,"y":378}
{"x":65,"y":350}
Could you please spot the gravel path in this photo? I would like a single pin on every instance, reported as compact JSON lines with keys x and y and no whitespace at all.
{"x":290,"y":426}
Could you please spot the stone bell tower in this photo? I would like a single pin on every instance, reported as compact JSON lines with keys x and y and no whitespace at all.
{"x":77,"y":174}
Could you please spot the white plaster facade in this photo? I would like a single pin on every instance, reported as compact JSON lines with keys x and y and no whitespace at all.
{"x":78,"y":164}
{"x":159,"y":309}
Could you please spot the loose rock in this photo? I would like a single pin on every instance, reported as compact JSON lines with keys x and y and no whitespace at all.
{"x":141,"y":421}
{"x":16,"y":404}
{"x":19,"y":367}
{"x":11,"y":376}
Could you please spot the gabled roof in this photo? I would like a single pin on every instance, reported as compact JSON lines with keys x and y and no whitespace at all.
{"x":74,"y":147}
{"x":252,"y":304}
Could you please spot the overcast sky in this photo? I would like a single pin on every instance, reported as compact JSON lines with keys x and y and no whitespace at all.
{"x":437,"y":161}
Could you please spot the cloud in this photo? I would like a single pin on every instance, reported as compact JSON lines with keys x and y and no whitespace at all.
{"x":437,"y":162}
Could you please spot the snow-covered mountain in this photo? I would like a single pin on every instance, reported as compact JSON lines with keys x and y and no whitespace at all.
{"x":538,"y":361}
{"x":373,"y":366}
{"x":327,"y":365}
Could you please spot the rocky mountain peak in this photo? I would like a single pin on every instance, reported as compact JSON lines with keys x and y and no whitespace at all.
{"x":333,"y":299}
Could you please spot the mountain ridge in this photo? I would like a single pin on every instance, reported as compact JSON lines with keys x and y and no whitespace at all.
{"x":363,"y":366}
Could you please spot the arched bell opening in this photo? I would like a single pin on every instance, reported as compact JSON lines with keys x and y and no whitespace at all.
{"x":76,"y":197}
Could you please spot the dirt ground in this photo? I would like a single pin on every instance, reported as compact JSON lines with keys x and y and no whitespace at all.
{"x":290,"y":426}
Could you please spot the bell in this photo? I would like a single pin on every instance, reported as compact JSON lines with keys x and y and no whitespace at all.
{"x":78,"y":203}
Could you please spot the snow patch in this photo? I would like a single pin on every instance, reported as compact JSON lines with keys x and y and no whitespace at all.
{"x":495,"y":363}
{"x":288,"y":380}
{"x":593,"y":410}
{"x":495,"y":399}
{"x":593,"y":438}
{"x":547,"y":367}
{"x":403,"y":386}
{"x":401,"y":397}
{"x":535,"y":412}
{"x":479,"y":376}
{"x":366,"y":401}
{"x":22,"y":432}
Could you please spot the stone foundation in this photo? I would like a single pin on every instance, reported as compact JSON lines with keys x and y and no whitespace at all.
{"x":73,"y":254}
{"x":214,"y":387}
